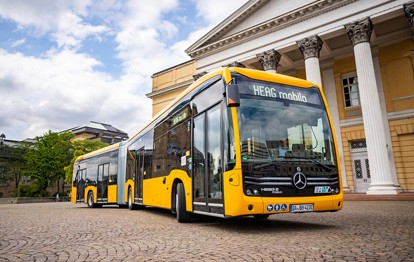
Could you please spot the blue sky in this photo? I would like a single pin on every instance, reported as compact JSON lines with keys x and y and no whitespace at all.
{"x":64,"y":63}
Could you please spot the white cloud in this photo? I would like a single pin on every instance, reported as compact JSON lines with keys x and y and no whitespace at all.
{"x":64,"y":87}
{"x":215,"y":11}
{"x":63,"y":90}
{"x":62,"y":19}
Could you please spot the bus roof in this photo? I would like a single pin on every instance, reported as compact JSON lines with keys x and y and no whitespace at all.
{"x":99,"y":151}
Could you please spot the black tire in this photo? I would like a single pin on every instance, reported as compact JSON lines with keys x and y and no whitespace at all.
{"x":260,"y":217}
{"x":90,"y":200}
{"x":131,"y":205}
{"x":182,"y":214}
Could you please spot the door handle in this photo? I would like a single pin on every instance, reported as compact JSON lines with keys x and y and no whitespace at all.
{"x":164,"y":180}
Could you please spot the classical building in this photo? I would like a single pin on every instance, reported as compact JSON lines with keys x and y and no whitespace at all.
{"x":360,"y":52}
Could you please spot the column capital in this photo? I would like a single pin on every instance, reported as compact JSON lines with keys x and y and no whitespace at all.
{"x":310,"y":46}
{"x":409,"y":13}
{"x":359,"y":31}
{"x":269,"y":59}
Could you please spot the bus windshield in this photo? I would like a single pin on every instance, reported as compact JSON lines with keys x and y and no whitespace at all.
{"x":279,"y":122}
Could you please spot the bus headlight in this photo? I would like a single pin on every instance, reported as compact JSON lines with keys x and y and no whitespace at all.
{"x":249,"y":192}
{"x":256,"y":192}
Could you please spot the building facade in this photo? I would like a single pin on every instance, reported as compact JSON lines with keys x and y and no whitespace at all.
{"x":360,"y":52}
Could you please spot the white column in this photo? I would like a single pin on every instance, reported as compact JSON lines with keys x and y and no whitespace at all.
{"x":313,"y":72}
{"x":385,"y":121}
{"x":310,"y":48}
{"x":269,"y":60}
{"x":330,"y":94}
{"x":381,"y":180}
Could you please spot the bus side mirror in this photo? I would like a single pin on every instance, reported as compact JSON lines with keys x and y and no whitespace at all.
{"x":232,"y":95}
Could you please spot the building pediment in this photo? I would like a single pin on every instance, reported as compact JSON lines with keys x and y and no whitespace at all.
{"x":253,"y":20}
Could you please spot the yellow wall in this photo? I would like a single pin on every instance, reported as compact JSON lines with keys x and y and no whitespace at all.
{"x":175,"y":79}
{"x":341,"y":67}
{"x":397,"y":71}
{"x":158,"y":103}
{"x":402,"y":136}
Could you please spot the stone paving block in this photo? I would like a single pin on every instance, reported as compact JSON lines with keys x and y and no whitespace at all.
{"x":362,"y":231}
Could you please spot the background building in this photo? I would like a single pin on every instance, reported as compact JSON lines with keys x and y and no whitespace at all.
{"x":98,"y":131}
{"x":360,"y":52}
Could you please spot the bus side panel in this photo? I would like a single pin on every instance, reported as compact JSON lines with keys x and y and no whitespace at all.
{"x":235,"y":202}
{"x":158,"y":191}
{"x":155,"y":192}
{"x":112,"y":190}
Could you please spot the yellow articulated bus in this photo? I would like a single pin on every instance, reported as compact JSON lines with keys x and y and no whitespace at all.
{"x":237,"y":142}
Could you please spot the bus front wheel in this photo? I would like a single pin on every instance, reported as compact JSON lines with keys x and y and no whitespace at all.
{"x":182,"y":214}
{"x":90,"y":199}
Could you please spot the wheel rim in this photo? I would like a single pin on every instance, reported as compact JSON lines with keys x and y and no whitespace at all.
{"x":90,"y":199}
{"x":129,"y":199}
{"x":177,"y":204}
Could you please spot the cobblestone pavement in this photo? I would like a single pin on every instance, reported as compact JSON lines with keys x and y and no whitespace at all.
{"x":362,"y":231}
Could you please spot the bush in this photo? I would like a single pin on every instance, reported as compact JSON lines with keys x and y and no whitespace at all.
{"x":29,"y":190}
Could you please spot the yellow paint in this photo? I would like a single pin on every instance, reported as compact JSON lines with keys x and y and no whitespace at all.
{"x":112,"y":190}
{"x":129,"y":184}
{"x":73,"y":195}
{"x":159,"y":191}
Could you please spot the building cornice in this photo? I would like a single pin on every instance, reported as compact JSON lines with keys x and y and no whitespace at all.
{"x":213,"y":44}
{"x":169,"y":89}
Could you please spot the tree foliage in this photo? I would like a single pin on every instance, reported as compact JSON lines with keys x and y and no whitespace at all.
{"x":12,"y":166}
{"x":46,"y":159}
{"x":81,"y":147}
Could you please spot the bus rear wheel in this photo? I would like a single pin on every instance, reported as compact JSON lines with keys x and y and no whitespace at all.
{"x":90,"y":201}
{"x":182,"y":214}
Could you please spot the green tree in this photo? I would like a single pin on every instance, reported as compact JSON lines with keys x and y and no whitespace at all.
{"x":12,"y":166}
{"x":81,"y":147}
{"x":46,"y":159}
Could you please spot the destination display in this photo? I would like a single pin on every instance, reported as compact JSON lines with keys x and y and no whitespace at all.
{"x":281,"y":92}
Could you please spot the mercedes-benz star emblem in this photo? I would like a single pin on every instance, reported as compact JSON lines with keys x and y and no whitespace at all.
{"x":299,"y":180}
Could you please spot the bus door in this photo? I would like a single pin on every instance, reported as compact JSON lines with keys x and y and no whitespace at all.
{"x":140,"y":157}
{"x":207,"y":163}
{"x":80,"y":184}
{"x":102,"y":182}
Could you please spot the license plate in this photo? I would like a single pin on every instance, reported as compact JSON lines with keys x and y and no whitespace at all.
{"x":301,"y":208}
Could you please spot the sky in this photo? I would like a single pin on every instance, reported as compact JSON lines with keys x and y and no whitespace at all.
{"x":64,"y":63}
